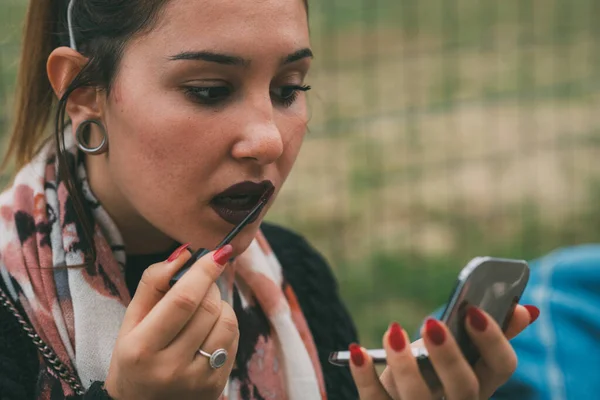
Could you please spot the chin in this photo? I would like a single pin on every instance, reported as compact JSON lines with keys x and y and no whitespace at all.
{"x":243,"y":239}
{"x":211,"y":234}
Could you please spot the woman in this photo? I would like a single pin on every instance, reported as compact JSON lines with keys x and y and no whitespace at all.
{"x":182,"y":113}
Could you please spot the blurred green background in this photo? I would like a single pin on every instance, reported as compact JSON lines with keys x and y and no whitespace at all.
{"x":441,"y":130}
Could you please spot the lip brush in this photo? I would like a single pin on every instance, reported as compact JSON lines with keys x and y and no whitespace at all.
{"x":230,"y":236}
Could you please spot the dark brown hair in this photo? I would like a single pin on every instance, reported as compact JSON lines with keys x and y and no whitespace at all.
{"x":101,"y":29}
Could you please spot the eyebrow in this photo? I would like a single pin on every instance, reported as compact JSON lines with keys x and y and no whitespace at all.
{"x":227,"y":59}
{"x":297,"y":56}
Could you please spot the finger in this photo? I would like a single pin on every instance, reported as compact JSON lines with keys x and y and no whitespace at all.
{"x":455,"y":373}
{"x":176,"y":308}
{"x":152,"y":287}
{"x":223,"y":335}
{"x":522,"y":317}
{"x":498,"y":359}
{"x":207,"y":377}
{"x":201,"y":323}
{"x":408,"y":381}
{"x":367,"y":382}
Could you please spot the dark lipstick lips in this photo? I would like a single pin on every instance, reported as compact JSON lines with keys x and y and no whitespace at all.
{"x":235,"y":203}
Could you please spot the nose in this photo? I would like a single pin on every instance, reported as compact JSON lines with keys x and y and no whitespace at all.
{"x":260,"y":139}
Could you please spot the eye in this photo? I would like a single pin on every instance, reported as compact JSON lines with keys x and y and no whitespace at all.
{"x":286,"y":95}
{"x":208,"y":95}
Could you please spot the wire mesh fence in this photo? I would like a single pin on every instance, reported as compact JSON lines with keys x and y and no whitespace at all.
{"x":440,"y":130}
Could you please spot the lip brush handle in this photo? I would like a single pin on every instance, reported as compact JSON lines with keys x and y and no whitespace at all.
{"x":188,"y":264}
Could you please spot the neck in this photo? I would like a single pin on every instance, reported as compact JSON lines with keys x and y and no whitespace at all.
{"x":139,"y":236}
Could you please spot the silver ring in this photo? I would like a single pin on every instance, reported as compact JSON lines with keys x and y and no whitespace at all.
{"x":216,"y":359}
{"x":81,"y":142}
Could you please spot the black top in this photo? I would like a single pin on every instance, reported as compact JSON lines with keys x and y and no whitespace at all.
{"x":304,"y":269}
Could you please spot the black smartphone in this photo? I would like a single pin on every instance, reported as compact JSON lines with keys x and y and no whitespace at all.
{"x":495,"y":285}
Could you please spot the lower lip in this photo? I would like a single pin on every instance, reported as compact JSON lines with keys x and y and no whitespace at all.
{"x":233,"y":216}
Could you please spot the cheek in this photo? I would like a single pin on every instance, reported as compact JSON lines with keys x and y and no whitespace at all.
{"x":293,"y":131}
{"x":152,"y":122}
{"x":154,"y":142}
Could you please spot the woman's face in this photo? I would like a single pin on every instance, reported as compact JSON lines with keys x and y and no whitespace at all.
{"x":205,"y":100}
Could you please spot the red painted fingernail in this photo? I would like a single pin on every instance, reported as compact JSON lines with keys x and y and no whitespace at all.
{"x":396,"y":337}
{"x":534,"y":313}
{"x":223,"y":255}
{"x":177,"y":252}
{"x":356,"y":355}
{"x":435,"y":331}
{"x":477,"y":319}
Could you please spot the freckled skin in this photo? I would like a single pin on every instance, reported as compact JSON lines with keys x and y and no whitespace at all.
{"x":169,"y":155}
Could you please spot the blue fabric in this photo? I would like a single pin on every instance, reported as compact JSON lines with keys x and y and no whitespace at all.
{"x":559,"y":355}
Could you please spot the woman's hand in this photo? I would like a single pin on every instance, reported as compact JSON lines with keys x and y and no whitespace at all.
{"x":402,"y":379}
{"x":155,"y":355}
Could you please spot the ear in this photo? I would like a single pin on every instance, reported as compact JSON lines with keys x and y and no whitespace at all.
{"x":62,"y":67}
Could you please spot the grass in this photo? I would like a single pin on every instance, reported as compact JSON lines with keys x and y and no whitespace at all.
{"x":440,"y":131}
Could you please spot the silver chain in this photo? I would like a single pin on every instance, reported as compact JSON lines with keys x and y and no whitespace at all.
{"x":61,"y":369}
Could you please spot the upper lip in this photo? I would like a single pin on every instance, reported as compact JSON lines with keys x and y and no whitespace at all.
{"x":246,"y":188}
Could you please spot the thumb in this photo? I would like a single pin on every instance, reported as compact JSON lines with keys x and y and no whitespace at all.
{"x":520,"y":320}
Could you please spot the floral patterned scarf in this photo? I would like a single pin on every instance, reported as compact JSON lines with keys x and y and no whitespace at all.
{"x":78,"y":311}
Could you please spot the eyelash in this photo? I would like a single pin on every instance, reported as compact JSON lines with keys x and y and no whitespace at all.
{"x":289,"y":100}
{"x":195,"y":93}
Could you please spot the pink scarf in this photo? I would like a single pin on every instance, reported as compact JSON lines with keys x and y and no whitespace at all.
{"x":78,"y":311}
